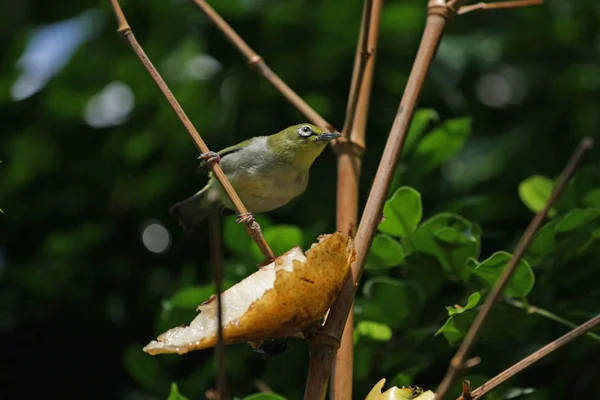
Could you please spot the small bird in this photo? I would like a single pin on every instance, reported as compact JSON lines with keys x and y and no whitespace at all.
{"x":267,"y":172}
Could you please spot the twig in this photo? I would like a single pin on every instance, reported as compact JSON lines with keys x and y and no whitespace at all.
{"x":499,"y":5}
{"x":349,"y":160}
{"x":323,"y":354}
{"x":457,"y":363}
{"x":538,"y":355}
{"x":262,"y":386}
{"x":216,"y":258}
{"x":363,"y":53}
{"x":262,"y":68}
{"x":125,"y":31}
{"x":548,"y":314}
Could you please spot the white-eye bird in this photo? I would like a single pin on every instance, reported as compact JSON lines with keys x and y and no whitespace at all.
{"x":267,"y":172}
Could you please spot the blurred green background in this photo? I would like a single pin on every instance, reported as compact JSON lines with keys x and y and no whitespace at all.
{"x":91,"y":265}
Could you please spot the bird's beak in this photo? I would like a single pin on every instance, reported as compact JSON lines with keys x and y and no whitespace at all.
{"x":326,"y":137}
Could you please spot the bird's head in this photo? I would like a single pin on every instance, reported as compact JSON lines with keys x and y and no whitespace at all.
{"x":301,"y":144}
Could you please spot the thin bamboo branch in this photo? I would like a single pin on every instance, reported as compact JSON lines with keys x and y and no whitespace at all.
{"x":262,"y":68}
{"x":216,"y":260}
{"x":535,"y":357}
{"x":547,"y":314}
{"x":349,"y":160}
{"x":323,"y":353}
{"x":457,"y":363}
{"x":499,"y":5}
{"x":125,"y":31}
{"x":364,"y":52}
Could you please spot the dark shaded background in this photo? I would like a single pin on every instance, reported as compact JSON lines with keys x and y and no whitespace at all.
{"x":93,"y":157}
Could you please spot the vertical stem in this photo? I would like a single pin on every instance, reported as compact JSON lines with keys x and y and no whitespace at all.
{"x":349,"y":157}
{"x":322,"y":354}
{"x":216,"y":257}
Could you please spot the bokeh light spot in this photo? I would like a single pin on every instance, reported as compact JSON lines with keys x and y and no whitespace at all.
{"x":156,"y":237}
{"x":110,"y":107}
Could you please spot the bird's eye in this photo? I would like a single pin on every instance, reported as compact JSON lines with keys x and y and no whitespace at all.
{"x":305,"y":131}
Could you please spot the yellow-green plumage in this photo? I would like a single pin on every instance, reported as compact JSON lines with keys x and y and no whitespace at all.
{"x":267,"y":172}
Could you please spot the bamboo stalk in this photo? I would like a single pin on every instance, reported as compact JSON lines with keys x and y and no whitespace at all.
{"x":125,"y":31}
{"x":457,"y":363}
{"x":349,"y":160}
{"x":323,"y":352}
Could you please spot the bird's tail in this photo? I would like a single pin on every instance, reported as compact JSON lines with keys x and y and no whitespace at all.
{"x":192,"y":211}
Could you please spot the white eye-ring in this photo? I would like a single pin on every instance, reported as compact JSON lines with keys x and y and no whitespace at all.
{"x":305,"y":131}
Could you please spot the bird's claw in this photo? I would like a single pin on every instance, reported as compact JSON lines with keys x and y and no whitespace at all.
{"x":210,"y":157}
{"x":247,"y":218}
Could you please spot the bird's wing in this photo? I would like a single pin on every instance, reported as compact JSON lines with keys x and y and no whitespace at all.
{"x":203,"y":167}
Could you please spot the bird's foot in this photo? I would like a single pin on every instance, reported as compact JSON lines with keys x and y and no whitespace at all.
{"x":210,"y":158}
{"x":246,"y":218}
{"x":381,"y":218}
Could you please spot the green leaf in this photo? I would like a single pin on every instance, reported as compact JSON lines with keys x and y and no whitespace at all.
{"x":235,"y":236}
{"x":452,"y":236}
{"x":456,"y":327}
{"x":489,"y":271}
{"x":385,"y":253}
{"x":472,"y":302}
{"x":576,"y":218}
{"x":281,"y":238}
{"x":174,"y":394}
{"x":264,"y":396}
{"x":373,"y":330}
{"x":535,"y":192}
{"x":191,"y":296}
{"x":458,"y":323}
{"x":543,"y":244}
{"x":441,"y":144}
{"x":422,"y":118}
{"x":391,"y":301}
{"x":142,"y":367}
{"x":592,"y":198}
{"x":403,"y":212}
{"x":453,"y":257}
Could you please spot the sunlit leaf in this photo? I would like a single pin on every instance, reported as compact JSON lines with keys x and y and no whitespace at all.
{"x":489,"y":270}
{"x":535,"y":192}
{"x":472,"y":302}
{"x":373,"y":330}
{"x":174,"y":394}
{"x":402,"y":212}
